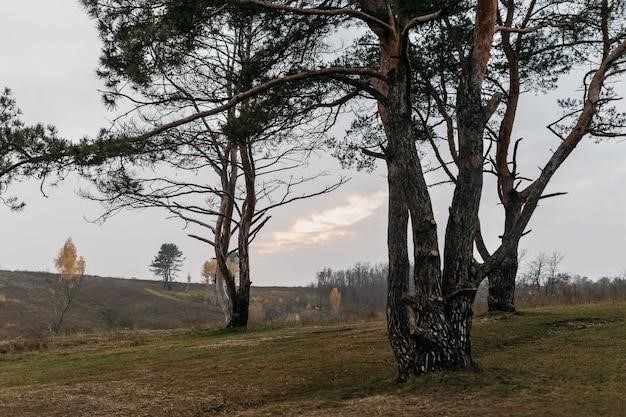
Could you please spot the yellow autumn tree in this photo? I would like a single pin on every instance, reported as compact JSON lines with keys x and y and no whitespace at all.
{"x":208,"y":271}
{"x":68,"y":263}
{"x":215,"y":283}
{"x":335,"y":300}
{"x":71,"y":268}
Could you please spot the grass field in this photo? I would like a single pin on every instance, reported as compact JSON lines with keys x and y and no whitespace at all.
{"x":548,"y":362}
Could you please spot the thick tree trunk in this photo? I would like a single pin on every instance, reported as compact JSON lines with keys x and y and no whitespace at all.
{"x":241,"y":298}
{"x":429,"y":330}
{"x":459,"y":281}
{"x":398,"y":325}
{"x":502,"y":279}
{"x":502,"y":285}
{"x":460,"y":312}
{"x":460,"y":275}
{"x":223,"y":230}
{"x":240,"y":309}
{"x":436,"y":336}
{"x":419,"y":326}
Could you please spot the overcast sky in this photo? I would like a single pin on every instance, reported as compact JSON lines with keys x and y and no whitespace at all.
{"x":49,"y":52}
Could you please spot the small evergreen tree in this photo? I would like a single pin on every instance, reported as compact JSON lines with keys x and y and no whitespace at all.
{"x":167,"y":263}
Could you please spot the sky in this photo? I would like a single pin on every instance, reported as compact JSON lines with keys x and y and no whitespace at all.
{"x":49,"y":53}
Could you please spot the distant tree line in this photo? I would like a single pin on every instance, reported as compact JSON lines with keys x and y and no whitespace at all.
{"x":540,"y":282}
{"x":363,"y":287}
{"x":573,"y":289}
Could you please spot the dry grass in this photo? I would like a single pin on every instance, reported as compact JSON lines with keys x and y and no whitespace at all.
{"x":111,"y":304}
{"x":547,"y":362}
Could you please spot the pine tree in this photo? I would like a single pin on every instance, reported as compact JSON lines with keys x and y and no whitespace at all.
{"x":167,"y":263}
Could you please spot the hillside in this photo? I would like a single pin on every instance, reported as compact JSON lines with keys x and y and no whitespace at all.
{"x":547,"y":362}
{"x":111,"y":304}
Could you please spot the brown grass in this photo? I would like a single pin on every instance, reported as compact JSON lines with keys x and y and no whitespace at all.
{"x":533,"y":364}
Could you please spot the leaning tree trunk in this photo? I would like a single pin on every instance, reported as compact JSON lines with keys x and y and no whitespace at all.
{"x":459,"y":279}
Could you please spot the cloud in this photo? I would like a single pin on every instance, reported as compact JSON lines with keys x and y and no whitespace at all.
{"x":320,"y":227}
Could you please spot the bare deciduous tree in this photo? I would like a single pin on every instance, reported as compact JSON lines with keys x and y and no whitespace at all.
{"x":536,"y":271}
{"x":543,"y":273}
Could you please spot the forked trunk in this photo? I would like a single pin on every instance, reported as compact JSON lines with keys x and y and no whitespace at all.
{"x":429,"y":330}
{"x":427,"y":333}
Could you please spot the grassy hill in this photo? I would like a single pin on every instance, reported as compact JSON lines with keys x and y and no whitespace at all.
{"x":547,"y":362}
{"x":105,"y":304}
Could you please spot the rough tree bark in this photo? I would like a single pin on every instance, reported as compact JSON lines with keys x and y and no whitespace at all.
{"x":460,"y":278}
{"x":502,"y":279}
{"x":241,"y":299}
{"x":429,"y":330}
{"x":534,"y":192}
{"x":502,"y":285}
{"x":224,"y":225}
{"x":520,"y":205}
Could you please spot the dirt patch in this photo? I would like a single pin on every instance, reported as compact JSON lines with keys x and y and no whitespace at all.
{"x":330,"y":331}
{"x":240,"y":342}
{"x":578,"y":324}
